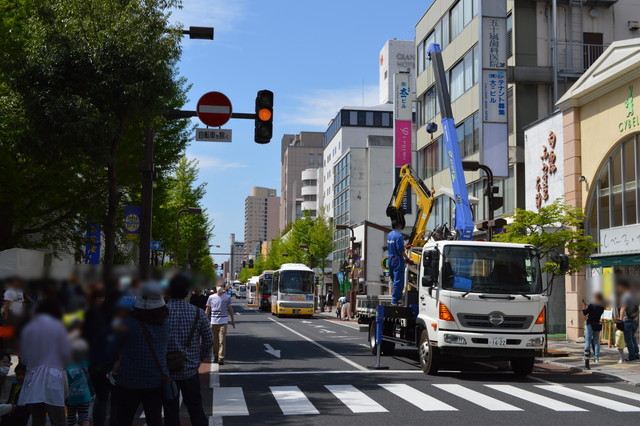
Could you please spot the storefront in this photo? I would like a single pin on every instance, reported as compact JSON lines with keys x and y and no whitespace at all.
{"x":599,"y":167}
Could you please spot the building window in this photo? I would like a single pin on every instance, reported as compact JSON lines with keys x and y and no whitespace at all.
{"x":420,"y":57}
{"x":462,"y":76}
{"x":457,"y":81}
{"x":509,"y":35}
{"x":311,"y":160}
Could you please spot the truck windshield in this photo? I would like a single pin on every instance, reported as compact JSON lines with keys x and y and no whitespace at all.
{"x":491,"y":270}
{"x":296,"y":282}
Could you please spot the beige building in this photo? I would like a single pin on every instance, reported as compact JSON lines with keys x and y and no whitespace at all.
{"x":599,"y":170}
{"x":535,"y":77}
{"x":261,"y":212}
{"x":298,"y":152}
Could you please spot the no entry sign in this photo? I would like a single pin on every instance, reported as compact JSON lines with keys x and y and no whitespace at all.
{"x":214,"y":109}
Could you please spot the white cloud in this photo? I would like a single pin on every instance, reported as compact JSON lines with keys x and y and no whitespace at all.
{"x":223,"y":15}
{"x":209,"y":163}
{"x":318,"y":107}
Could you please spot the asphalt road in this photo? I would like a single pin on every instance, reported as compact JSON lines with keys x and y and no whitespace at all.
{"x":314,"y":371}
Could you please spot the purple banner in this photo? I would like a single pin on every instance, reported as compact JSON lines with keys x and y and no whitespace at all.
{"x":403,"y":143}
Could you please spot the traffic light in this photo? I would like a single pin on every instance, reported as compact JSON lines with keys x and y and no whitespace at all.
{"x":244,"y":264}
{"x":264,"y":116}
{"x":496,"y":202}
{"x":222,"y":267}
{"x":250,"y":263}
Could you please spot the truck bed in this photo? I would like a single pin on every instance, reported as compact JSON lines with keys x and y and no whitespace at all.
{"x":367,"y":304}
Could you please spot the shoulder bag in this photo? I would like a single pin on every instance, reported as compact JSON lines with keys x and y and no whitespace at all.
{"x":169,"y":387}
{"x":177,"y":359}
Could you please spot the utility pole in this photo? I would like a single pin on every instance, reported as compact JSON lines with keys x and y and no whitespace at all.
{"x":146,"y":210}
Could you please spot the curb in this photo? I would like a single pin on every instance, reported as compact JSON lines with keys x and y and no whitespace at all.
{"x":632,"y":382}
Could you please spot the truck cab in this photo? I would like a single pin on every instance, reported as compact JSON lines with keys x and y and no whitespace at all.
{"x":480,"y":300}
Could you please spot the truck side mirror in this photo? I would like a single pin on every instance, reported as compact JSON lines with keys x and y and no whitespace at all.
{"x":427,"y":281}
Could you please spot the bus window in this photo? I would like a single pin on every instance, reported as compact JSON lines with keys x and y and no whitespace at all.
{"x":296,"y":282}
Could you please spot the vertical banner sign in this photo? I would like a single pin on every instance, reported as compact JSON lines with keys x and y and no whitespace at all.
{"x":132,"y":222}
{"x":493,"y":87}
{"x":340,"y":276}
{"x":92,"y":244}
{"x":402,"y":143}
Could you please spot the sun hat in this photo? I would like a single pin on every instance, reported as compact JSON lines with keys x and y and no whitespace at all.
{"x":150,"y":296}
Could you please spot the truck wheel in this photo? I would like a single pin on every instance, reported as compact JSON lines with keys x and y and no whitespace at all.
{"x":429,"y":355}
{"x":522,"y":366}
{"x":387,"y":348}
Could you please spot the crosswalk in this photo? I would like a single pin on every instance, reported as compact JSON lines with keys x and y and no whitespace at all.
{"x":292,"y":401}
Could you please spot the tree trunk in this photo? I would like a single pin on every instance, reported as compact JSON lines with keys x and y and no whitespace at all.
{"x":109,"y":226}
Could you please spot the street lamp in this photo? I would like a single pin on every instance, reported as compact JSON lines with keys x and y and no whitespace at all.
{"x":472,"y":166}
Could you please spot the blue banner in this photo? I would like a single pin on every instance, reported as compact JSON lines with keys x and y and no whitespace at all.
{"x":131,"y":222}
{"x":92,"y":245}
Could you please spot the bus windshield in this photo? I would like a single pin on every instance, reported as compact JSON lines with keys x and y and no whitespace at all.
{"x":265,"y":285}
{"x":491,"y":270}
{"x":296,"y":282}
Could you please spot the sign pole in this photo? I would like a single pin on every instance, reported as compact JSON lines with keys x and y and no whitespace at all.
{"x":146,"y":168}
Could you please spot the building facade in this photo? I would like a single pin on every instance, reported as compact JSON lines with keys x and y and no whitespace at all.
{"x":237,"y":255}
{"x":298,"y":152}
{"x":535,"y":76}
{"x":311,"y":190}
{"x":261,"y":215}
{"x":396,"y":56}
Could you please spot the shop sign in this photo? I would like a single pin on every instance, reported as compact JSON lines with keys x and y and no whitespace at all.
{"x":622,"y":238}
{"x":632,"y":120}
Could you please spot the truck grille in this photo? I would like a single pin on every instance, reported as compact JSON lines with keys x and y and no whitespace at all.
{"x":514,"y":322}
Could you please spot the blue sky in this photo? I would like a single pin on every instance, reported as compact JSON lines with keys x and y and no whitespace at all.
{"x":316,"y":56}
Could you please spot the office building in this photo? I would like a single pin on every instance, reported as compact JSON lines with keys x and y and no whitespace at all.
{"x":298,"y":152}
{"x":261,"y":214}
{"x":237,"y":250}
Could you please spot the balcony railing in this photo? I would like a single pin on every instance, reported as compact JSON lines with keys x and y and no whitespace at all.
{"x":576,"y":57}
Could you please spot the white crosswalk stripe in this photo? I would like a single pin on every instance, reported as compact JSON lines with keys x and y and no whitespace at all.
{"x":617,"y":392}
{"x":421,"y":400}
{"x":550,"y":403}
{"x":292,"y":400}
{"x":478,"y":398}
{"x":590,"y":398}
{"x":355,"y":400}
{"x":229,"y":402}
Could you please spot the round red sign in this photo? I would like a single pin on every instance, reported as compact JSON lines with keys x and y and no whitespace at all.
{"x":214,"y":109}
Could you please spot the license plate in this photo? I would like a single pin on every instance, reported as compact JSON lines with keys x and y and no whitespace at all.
{"x":498,"y":341}
{"x":296,"y":311}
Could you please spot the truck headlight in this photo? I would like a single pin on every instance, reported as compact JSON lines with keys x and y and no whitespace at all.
{"x":536,"y":342}
{"x":454,"y":340}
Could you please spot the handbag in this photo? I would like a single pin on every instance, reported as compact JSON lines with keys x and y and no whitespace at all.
{"x":169,"y":387}
{"x":177,"y":359}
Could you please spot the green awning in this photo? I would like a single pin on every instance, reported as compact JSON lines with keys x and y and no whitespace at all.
{"x":605,"y":261}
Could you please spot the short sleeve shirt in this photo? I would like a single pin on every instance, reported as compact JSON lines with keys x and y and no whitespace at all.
{"x":395,"y":244}
{"x":15,"y":299}
{"x":631,"y":304}
{"x":219,"y":306}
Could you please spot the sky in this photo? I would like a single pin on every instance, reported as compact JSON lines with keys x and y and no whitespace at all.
{"x":316,"y":56}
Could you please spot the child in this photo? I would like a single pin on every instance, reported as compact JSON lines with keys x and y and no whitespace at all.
{"x":79,"y":391}
{"x":19,"y":415}
{"x":620,"y":343}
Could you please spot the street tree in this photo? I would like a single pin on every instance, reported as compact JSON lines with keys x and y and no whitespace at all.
{"x":555,"y":227}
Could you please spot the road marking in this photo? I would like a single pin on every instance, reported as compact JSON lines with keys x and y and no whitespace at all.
{"x":342,"y":324}
{"x":355,"y":400}
{"x":617,"y":392}
{"x":478,"y":398}
{"x":272,"y":351}
{"x":287,"y":373}
{"x":534,"y":398}
{"x":417,"y":398}
{"x":337,"y":355}
{"x":292,"y":400}
{"x":593,"y":399}
{"x":229,"y":401}
{"x":214,"y":383}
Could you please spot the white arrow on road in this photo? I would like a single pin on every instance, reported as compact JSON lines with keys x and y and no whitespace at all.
{"x":272,"y":351}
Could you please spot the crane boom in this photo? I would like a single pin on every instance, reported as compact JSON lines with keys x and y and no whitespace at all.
{"x":464,"y":221}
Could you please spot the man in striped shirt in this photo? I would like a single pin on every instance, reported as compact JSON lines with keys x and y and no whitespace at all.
{"x":219,"y":307}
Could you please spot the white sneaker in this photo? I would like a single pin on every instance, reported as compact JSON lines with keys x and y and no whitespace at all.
{"x":620,"y":361}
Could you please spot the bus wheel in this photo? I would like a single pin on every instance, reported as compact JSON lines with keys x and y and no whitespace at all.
{"x":429,"y":355}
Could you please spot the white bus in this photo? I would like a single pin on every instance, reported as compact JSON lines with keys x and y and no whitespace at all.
{"x":293,"y":290}
{"x":252,"y":286}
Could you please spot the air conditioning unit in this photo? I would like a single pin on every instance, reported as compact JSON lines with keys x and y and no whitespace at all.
{"x":633,"y":25}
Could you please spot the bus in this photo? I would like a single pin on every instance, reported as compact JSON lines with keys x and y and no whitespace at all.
{"x":252,"y":286}
{"x":264,"y":290}
{"x":293,"y":291}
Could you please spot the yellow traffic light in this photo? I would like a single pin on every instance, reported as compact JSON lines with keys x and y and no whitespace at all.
{"x":264,"y":114}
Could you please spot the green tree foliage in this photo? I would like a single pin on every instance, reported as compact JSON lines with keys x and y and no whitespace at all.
{"x":557,"y":226}
{"x":84,"y":79}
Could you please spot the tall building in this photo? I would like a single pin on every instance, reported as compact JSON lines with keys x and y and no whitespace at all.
{"x":311,"y":190}
{"x":236,"y":257}
{"x":298,"y":152}
{"x":533,"y":78}
{"x":396,"y":56}
{"x":261,"y":213}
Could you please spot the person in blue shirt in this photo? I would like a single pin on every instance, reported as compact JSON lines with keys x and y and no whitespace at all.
{"x":397,"y":257}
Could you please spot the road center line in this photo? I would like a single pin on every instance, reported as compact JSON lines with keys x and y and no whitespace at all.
{"x":335,"y":354}
{"x":289,"y":373}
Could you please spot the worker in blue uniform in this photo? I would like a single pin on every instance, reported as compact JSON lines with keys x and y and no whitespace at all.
{"x":397,"y":258}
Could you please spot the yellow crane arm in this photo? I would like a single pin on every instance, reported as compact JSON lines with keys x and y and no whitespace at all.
{"x":425,"y":198}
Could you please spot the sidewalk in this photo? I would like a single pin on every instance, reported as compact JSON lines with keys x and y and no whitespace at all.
{"x":569,"y":354}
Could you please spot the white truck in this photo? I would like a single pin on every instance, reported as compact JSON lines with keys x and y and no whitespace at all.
{"x":468,"y":299}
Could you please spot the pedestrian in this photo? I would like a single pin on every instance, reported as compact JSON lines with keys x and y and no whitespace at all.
{"x":45,"y":350}
{"x":198,"y":299}
{"x":5,"y":385}
{"x":13,"y":300}
{"x":330,"y":299}
{"x":189,"y":345}
{"x":619,"y":342}
{"x":397,"y":258}
{"x":19,"y":415}
{"x":629,"y":316}
{"x":343,"y":308}
{"x":593,"y":326}
{"x":220,"y":310}
{"x":143,"y":342}
{"x":79,"y":394}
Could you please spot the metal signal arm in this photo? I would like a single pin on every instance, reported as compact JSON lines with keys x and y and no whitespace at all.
{"x":425,"y":198}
